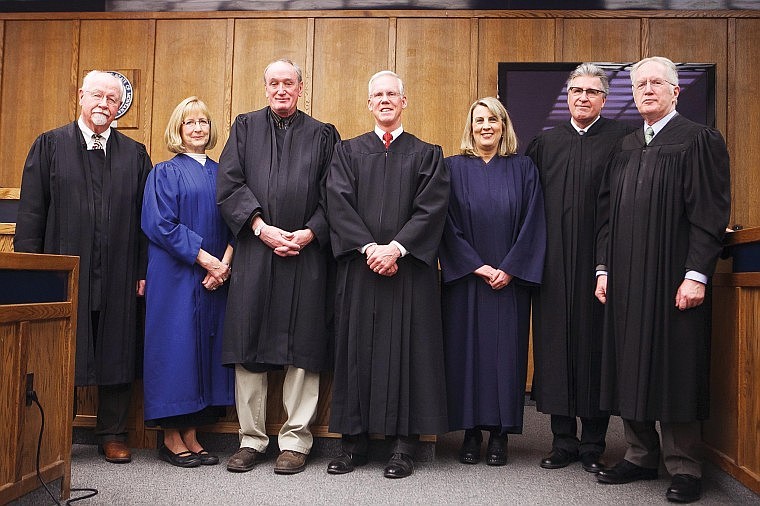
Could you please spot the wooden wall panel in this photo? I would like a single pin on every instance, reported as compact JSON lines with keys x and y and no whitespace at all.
{"x":38,"y":88}
{"x":600,"y":40}
{"x":744,"y":141}
{"x":749,"y":401}
{"x":339,"y":53}
{"x":182,"y":70}
{"x":123,"y":45}
{"x":433,"y":59}
{"x":257,"y":43}
{"x":504,"y":40}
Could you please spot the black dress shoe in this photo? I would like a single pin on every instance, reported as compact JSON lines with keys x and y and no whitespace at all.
{"x":590,"y":462}
{"x":496,"y":454}
{"x":400,"y":465}
{"x":625,"y":472}
{"x":558,"y":458}
{"x":470,"y":451}
{"x":182,"y":459}
{"x":684,"y":488}
{"x":345,"y":463}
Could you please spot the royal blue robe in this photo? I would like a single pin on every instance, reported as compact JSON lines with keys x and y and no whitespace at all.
{"x":496,"y":217}
{"x":183,"y":323}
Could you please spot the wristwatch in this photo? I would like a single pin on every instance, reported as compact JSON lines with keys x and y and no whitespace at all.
{"x":257,"y":230}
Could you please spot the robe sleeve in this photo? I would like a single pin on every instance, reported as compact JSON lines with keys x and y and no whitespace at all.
{"x":160,"y":215}
{"x":317,"y":223}
{"x":525,"y":259}
{"x":348,"y":231}
{"x":35,"y":198}
{"x":142,"y":239}
{"x":421,"y":234}
{"x":458,"y":257}
{"x":237,"y":203}
{"x":707,"y":196}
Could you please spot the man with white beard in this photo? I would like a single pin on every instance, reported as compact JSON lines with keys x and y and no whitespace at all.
{"x":81,"y":194}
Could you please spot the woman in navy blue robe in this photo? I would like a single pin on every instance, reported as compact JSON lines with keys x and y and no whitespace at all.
{"x":491,"y":254}
{"x":189,"y":253}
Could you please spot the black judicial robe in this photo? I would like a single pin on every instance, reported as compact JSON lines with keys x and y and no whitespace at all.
{"x":567,"y":317}
{"x":663,"y":211}
{"x":389,"y":369}
{"x":56,"y":215}
{"x":278,"y":309}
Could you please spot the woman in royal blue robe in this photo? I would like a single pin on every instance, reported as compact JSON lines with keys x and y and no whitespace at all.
{"x":189,"y":254}
{"x":492,"y":252}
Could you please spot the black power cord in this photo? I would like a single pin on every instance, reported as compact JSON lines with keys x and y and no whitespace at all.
{"x":31,"y":396}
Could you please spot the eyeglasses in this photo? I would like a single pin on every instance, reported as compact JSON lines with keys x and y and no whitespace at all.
{"x":575,"y":91}
{"x":99,"y":95}
{"x":203,"y":123}
{"x":390,"y":95}
{"x":654,"y":83}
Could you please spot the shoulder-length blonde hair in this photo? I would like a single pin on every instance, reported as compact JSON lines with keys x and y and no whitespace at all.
{"x":190,"y":106}
{"x":508,"y":141}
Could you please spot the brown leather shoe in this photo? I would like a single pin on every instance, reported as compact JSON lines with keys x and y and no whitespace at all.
{"x":290,"y":462}
{"x":116,"y":452}
{"x":244,"y":460}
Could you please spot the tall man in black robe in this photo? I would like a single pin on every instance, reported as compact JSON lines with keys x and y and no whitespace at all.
{"x":663,"y":207}
{"x":82,"y":195}
{"x":567,"y":318}
{"x":387,"y":195}
{"x":270,"y":189}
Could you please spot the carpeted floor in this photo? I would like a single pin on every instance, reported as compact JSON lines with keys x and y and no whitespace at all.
{"x":442,"y":480}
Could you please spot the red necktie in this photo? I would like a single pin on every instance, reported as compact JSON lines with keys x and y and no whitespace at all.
{"x":387,"y":138}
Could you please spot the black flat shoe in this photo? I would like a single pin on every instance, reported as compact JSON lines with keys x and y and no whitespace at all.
{"x":684,"y":488}
{"x":345,"y":463}
{"x":625,"y":472}
{"x":496,"y":454}
{"x":558,"y":458}
{"x":470,"y":451}
{"x":207,"y":459}
{"x":184,"y":459}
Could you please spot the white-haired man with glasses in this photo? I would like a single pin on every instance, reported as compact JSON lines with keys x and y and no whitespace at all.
{"x":567,"y":319}
{"x":664,"y":207}
{"x":81,"y":194}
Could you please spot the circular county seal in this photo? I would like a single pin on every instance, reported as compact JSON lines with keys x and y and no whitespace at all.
{"x":128,"y":94}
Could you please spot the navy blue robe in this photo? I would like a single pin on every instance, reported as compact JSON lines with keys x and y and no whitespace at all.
{"x":496,"y":217}
{"x":183,"y":324}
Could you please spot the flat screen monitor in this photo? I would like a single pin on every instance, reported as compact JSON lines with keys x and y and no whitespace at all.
{"x":536,"y":97}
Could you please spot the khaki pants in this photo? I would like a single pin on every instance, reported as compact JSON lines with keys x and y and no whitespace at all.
{"x":300,"y":393}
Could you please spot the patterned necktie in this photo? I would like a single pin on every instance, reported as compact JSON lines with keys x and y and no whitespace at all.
{"x":648,"y":135}
{"x":97,"y":141}
{"x":387,"y":138}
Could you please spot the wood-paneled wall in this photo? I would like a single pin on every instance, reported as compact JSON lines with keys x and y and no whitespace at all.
{"x":447,"y":58}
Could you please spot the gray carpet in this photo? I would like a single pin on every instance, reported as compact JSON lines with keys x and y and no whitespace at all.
{"x":440,"y":480}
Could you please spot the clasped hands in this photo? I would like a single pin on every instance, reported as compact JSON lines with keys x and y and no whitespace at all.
{"x":495,"y":278}
{"x":381,"y":259}
{"x":217,"y":272}
{"x":284,"y":243}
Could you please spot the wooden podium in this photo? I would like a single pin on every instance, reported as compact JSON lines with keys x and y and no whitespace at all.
{"x":732,"y":434}
{"x":38,"y":307}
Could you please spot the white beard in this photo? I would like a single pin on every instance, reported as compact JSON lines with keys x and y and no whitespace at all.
{"x":99,"y":119}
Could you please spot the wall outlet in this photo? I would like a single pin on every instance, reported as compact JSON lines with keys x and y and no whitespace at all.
{"x":29,"y":388}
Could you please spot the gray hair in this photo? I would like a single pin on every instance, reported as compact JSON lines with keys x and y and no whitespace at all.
{"x":87,"y":81}
{"x":671,"y":72}
{"x":289,"y":62}
{"x":385,"y":73}
{"x":590,"y":70}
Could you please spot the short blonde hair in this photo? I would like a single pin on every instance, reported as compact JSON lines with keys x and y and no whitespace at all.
{"x":508,"y":141}
{"x":173,"y":135}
